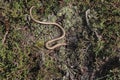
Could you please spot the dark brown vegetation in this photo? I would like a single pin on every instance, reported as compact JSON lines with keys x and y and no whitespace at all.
{"x":92,"y":34}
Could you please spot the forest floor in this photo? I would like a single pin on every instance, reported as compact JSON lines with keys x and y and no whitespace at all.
{"x":92,"y":35}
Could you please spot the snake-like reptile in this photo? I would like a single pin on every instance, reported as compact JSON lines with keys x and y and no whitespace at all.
{"x":53,"y":40}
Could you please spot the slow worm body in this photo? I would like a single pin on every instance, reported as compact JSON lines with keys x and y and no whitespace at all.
{"x":53,"y":40}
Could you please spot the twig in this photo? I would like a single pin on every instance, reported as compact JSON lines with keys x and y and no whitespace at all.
{"x":7,"y":27}
{"x":4,"y":38}
{"x":86,"y":15}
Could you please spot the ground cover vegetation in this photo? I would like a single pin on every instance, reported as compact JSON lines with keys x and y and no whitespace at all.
{"x":92,"y":33}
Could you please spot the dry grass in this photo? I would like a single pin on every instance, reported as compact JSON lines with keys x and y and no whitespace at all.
{"x":93,"y":50}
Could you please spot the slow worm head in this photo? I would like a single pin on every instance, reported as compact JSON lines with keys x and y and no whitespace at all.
{"x":53,"y":40}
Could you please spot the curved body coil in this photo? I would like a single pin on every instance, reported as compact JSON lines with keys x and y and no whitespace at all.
{"x":53,"y":40}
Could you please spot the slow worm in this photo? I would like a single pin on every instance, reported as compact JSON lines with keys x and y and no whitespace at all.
{"x":53,"y":40}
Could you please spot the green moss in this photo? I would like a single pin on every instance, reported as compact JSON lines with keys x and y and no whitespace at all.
{"x":23,"y":56}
